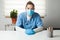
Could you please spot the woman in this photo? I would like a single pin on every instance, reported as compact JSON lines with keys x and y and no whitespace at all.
{"x":29,"y":20}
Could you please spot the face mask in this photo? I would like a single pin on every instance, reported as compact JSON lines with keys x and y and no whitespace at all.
{"x":30,"y":12}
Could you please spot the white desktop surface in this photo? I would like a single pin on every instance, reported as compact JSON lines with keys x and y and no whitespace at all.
{"x":14,"y":35}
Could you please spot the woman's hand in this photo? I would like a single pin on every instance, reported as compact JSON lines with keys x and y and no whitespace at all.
{"x":29,"y":31}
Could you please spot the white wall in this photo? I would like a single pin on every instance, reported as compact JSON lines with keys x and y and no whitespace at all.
{"x":1,"y":15}
{"x":3,"y":20}
{"x":20,"y":6}
{"x":53,"y":13}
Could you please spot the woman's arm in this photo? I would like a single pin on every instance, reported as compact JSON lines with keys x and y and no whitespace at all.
{"x":19,"y":29}
{"x":39,"y":29}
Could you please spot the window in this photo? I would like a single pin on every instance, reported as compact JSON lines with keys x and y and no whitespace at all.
{"x":20,"y":6}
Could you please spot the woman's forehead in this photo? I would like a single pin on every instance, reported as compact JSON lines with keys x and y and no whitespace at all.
{"x":30,"y":6}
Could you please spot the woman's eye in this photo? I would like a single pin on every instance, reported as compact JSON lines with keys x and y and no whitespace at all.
{"x":28,"y":8}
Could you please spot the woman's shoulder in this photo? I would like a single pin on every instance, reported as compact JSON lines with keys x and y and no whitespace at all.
{"x":36,"y":14}
{"x":22,"y":13}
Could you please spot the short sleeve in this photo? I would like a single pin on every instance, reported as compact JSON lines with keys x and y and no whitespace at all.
{"x":19,"y":21}
{"x":39,"y":22}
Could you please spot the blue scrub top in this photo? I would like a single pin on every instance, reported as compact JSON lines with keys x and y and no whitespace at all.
{"x":33,"y":23}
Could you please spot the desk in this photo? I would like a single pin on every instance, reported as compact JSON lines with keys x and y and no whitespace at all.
{"x":14,"y":35}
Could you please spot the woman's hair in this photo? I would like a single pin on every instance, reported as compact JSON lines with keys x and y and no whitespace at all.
{"x":29,"y":2}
